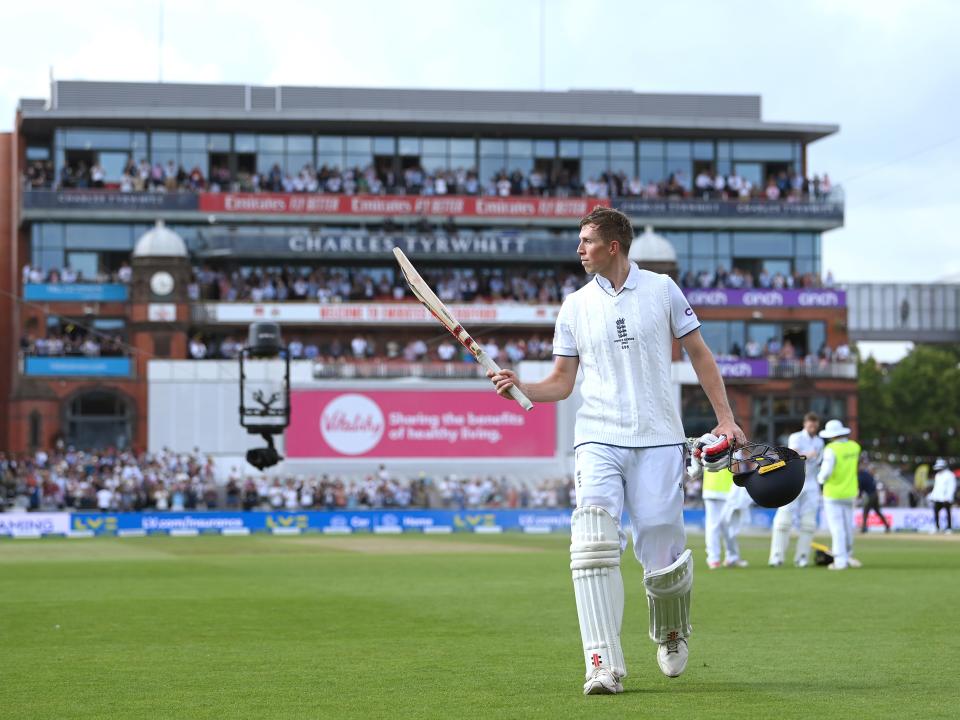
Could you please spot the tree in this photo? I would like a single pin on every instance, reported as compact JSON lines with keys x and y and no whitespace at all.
{"x":917,"y":400}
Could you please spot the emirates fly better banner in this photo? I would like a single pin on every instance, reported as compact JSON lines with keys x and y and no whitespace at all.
{"x":390,"y":205}
{"x":412,"y":423}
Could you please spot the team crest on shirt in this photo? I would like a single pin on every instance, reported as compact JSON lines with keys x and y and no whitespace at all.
{"x":622,"y":340}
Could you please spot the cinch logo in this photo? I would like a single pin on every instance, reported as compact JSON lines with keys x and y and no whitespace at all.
{"x":107,"y":523}
{"x":352,"y":424}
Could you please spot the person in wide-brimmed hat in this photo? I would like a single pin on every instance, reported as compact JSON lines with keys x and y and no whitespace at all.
{"x":838,"y":478}
{"x":944,"y":488}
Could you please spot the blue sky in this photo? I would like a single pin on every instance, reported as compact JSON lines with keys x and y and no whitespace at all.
{"x":886,"y":72}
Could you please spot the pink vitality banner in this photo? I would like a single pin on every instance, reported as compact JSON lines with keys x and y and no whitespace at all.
{"x":409,"y":423}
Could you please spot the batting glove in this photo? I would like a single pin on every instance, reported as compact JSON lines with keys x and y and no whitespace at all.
{"x":712,"y":452}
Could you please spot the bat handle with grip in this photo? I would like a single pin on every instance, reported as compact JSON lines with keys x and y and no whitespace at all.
{"x":487,"y":364}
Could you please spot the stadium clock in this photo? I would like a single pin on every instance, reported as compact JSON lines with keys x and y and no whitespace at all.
{"x":161,"y":283}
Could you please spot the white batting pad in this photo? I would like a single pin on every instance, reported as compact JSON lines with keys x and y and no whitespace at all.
{"x":780,"y":537}
{"x":668,"y":596}
{"x":808,"y":526}
{"x":598,"y":586}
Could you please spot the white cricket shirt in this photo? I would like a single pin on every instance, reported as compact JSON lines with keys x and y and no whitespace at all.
{"x":624,"y":341}
{"x":810,"y":447}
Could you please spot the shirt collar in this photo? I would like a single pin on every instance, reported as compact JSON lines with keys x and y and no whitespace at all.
{"x":633,"y":277}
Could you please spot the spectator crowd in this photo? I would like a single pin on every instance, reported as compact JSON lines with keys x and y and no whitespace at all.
{"x":67,"y":275}
{"x":76,"y":343}
{"x":365,"y":347}
{"x":113,"y":481}
{"x":381,"y":179}
{"x":737,"y":279}
{"x":339,"y":284}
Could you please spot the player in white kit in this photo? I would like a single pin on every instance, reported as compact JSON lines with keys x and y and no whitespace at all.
{"x":619,"y":329}
{"x":803,"y":510}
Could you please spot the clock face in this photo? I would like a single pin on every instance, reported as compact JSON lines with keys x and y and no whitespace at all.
{"x":161,"y":283}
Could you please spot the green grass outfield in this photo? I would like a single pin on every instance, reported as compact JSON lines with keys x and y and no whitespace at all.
{"x":463,"y":626}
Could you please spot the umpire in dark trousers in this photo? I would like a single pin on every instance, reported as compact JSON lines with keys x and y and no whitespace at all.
{"x":871,"y":501}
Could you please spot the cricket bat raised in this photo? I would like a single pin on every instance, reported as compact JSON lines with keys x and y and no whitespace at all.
{"x":442,"y":313}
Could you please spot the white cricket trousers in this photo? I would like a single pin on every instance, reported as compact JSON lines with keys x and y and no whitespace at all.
{"x":649,"y":483}
{"x":719,"y":534}
{"x":840,"y":521}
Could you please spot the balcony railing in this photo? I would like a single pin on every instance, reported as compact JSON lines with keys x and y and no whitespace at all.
{"x":75,"y":366}
{"x":525,"y":208}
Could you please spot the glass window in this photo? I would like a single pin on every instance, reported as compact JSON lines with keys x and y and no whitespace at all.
{"x":702,"y":244}
{"x":804,"y":244}
{"x":723,"y":149}
{"x":762,"y":245}
{"x":623,"y":149}
{"x":652,"y":170}
{"x":805,"y":265}
{"x":592,"y":168}
{"x":138,"y":141}
{"x":296,"y":162}
{"x":85,"y":263}
{"x":193,"y":141}
{"x":522,"y":163}
{"x":545,"y":148}
{"x":409,"y":146}
{"x":266,"y":161}
{"x":50,"y":234}
{"x":723,"y":243}
{"x":594,"y":149}
{"x":491,"y":148}
{"x":463,"y":146}
{"x":47,"y":260}
{"x":270,"y":143}
{"x":763,"y":332}
{"x":520,"y":148}
{"x":463,"y":161}
{"x":329,"y":144}
{"x":678,"y":149}
{"x":113,"y":164}
{"x":300,"y":144}
{"x":87,"y":139}
{"x":762,"y":150}
{"x":569,"y":148}
{"x":715,"y":335}
{"x":163,"y":140}
{"x":191,"y":160}
{"x":244,"y":143}
{"x":99,"y":237}
{"x":359,"y":145}
{"x":651,"y":148}
{"x":683,"y":169}
{"x":680,"y":242}
{"x":702,"y":150}
{"x":218,"y":142}
{"x":750,"y":171}
{"x":491,"y":166}
{"x":434,"y":146}
{"x":816,"y":336}
{"x":433,"y":163}
{"x":384,"y":145}
{"x":624,"y":165}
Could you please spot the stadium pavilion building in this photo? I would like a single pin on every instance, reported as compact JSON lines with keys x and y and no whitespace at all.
{"x":483,"y":191}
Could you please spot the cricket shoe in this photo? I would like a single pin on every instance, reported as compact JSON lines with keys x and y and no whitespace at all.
{"x":672,"y":655}
{"x":854,"y":563}
{"x":738,"y":563}
{"x":834,"y":566}
{"x":714,"y":564}
{"x":603,"y":681}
